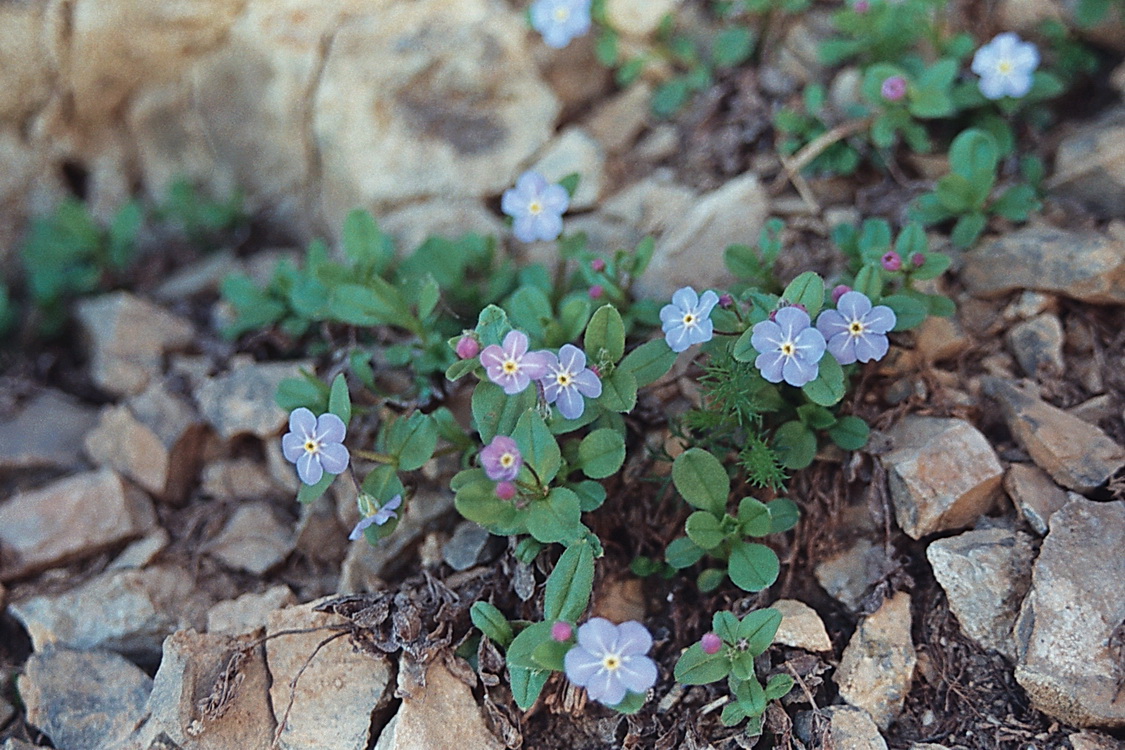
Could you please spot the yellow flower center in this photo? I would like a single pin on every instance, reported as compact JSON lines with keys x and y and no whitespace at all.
{"x":507,"y":460}
{"x":611,"y":662}
{"x":855,"y":328}
{"x":561,"y":14}
{"x":311,"y":446}
{"x":510,"y":367}
{"x":1005,"y":67}
{"x":689,"y":319}
{"x":563,"y":379}
{"x":535,"y":208}
{"x":788,"y":349}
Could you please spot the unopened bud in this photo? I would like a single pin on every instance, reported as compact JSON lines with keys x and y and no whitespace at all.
{"x":710,"y":643}
{"x":918,"y":260}
{"x":894,"y":88}
{"x":725,"y":300}
{"x":505,"y":490}
{"x":839,"y":291}
{"x":597,"y":264}
{"x":468,"y":347}
{"x":562,"y":631}
{"x":892,"y":261}
{"x":596,"y":291}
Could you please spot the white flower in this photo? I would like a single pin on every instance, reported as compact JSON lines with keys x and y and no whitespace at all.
{"x":1005,"y":66}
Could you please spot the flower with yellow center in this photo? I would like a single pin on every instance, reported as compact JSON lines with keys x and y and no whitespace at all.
{"x":1006,"y":66}
{"x":610,"y":660}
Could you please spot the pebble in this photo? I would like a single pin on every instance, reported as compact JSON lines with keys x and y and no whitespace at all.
{"x":801,"y":627}
{"x":1089,"y":168}
{"x":253,"y":540}
{"x":878,"y":663}
{"x":465,"y":547}
{"x":575,"y":151}
{"x":248,"y":612}
{"x":853,"y":728}
{"x":1034,"y":494}
{"x":45,"y":433}
{"x":847,"y":576}
{"x":241,"y":401}
{"x":1038,"y":346}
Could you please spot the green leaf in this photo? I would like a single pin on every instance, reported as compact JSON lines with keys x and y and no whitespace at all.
{"x":732,"y":714}
{"x":702,"y":480}
{"x":696,"y":667}
{"x":751,"y":696}
{"x":710,"y":579}
{"x":732,"y":46}
{"x":828,"y":387}
{"x":538,"y":446}
{"x":815,"y":416}
{"x":122,"y":240}
{"x":669,"y":97}
{"x":461,"y":368}
{"x":752,"y":567}
{"x":1016,"y":203}
{"x":412,"y":440}
{"x":743,"y":350}
{"x":492,"y":326}
{"x":759,"y":628}
{"x":868,"y":282}
{"x":605,"y":335}
{"x":569,"y":585}
{"x":705,"y":530}
{"x":808,"y":290}
{"x":339,"y":400}
{"x":367,"y":305}
{"x":742,"y":666}
{"x":310,"y":493}
{"x":570,"y":183}
{"x":364,"y":243}
{"x":555,"y":518}
{"x":601,"y":453}
{"x":909,"y":312}
{"x":495,"y":412}
{"x":630,"y":704}
{"x":492,"y":623}
{"x":850,"y":433}
{"x":784,"y":514}
{"x":754,"y":517}
{"x":973,"y":152}
{"x":619,"y":391}
{"x":307,"y":391}
{"x":590,"y":494}
{"x":968,"y":229}
{"x":795,"y":445}
{"x":648,"y":362}
{"x":683,"y":553}
{"x":526,"y":685}
{"x":551,"y":654}
{"x":476,"y":501}
{"x":934,"y":265}
{"x":956,"y":193}
{"x":530,"y":310}
{"x":779,"y":686}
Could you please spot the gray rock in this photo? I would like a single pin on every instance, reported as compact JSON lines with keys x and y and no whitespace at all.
{"x":1034,"y":494}
{"x":1085,"y":266}
{"x":128,"y":338}
{"x":330,"y":706}
{"x":127,"y":611}
{"x":441,"y":217}
{"x":84,"y":699}
{"x":253,"y":540}
{"x":242,"y":401}
{"x":7,"y":711}
{"x":651,"y":205}
{"x":46,"y":433}
{"x":1068,"y":619}
{"x":801,"y":627}
{"x":985,"y":574}
{"x":848,"y":576}
{"x":465,"y":547}
{"x":438,"y":710}
{"x":877,"y":667}
{"x":1090,"y":165}
{"x":943,"y":474}
{"x":853,"y":728}
{"x":1038,"y":345}
{"x":248,"y":612}
{"x":239,"y":479}
{"x":186,"y":706}
{"x":69,"y":519}
{"x":141,"y":552}
{"x":1075,"y":453}
{"x":575,"y":151}
{"x":617,"y":122}
{"x":204,"y":275}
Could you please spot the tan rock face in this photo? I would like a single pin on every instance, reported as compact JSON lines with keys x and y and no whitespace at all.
{"x":801,"y":626}
{"x":878,"y":664}
{"x":638,"y":17}
{"x":853,"y":728}
{"x":1034,"y":494}
{"x":46,"y":432}
{"x":24,"y":59}
{"x":242,"y":401}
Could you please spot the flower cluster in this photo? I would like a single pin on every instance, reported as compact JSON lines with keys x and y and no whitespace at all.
{"x":565,"y":378}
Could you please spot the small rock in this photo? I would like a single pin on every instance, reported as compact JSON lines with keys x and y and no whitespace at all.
{"x":68,"y":519}
{"x":1076,"y":454}
{"x":849,"y":575}
{"x":941,"y":339}
{"x":616,"y":123}
{"x":801,"y":627}
{"x":128,"y":338}
{"x":249,"y":611}
{"x":46,"y":433}
{"x":852,"y":728}
{"x":1089,"y":166}
{"x":1034,"y":494}
{"x":438,"y":710}
{"x":1028,"y":305}
{"x":14,"y":744}
{"x":185,"y":706}
{"x":985,"y":574}
{"x":878,"y":664}
{"x":319,"y":533}
{"x":141,"y":552}
{"x":1038,"y":345}
{"x":943,"y":474}
{"x":238,"y":479}
{"x":465,"y":547}
{"x":1085,"y":266}
{"x":620,"y":600}
{"x":660,"y":144}
{"x":253,"y":540}
{"x":638,"y":17}
{"x":331,"y":704}
{"x":691,"y":252}
{"x":204,"y":275}
{"x":242,"y":400}
{"x":83,"y":699}
{"x":1094,"y":741}
{"x":650,"y":205}
{"x":1096,"y":409}
{"x":413,"y":224}
{"x":127,"y":611}
{"x":575,"y":151}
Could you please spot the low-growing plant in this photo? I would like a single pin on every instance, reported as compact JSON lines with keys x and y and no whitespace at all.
{"x":203,"y":220}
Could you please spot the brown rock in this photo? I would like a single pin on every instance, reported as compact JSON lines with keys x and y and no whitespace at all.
{"x":46,"y":432}
{"x":141,"y":552}
{"x":128,"y":338}
{"x":940,"y":339}
{"x":574,"y":151}
{"x":801,"y":627}
{"x":1090,"y":165}
{"x":1038,"y":345}
{"x":1034,"y":494}
{"x":1075,"y":453}
{"x":616,"y":123}
{"x":248,"y":612}
{"x":620,"y":600}
{"x":852,"y":728}
{"x":68,"y":519}
{"x":253,"y":540}
{"x":943,"y":474}
{"x":242,"y":401}
{"x":878,"y":664}
{"x":25,"y":60}
{"x":1094,"y":741}
{"x":1066,"y":627}
{"x":238,"y":479}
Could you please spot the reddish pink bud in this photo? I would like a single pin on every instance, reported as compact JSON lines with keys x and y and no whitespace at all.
{"x":468,"y":347}
{"x":597,"y":264}
{"x":894,"y":88}
{"x":892,"y":261}
{"x":918,"y":260}
{"x":562,"y":631}
{"x":725,"y":301}
{"x":710,"y":643}
{"x":839,"y":291}
{"x":594,"y":369}
{"x":505,"y":490}
{"x":861,"y":6}
{"x":596,"y":291}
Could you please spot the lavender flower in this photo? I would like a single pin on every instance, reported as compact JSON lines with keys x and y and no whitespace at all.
{"x":378,"y":518}
{"x":610,"y":660}
{"x":512,"y":367}
{"x":687,"y":320}
{"x":536,"y":206}
{"x":1005,"y":66}
{"x":893,"y":88}
{"x":789,"y":348}
{"x":559,"y":21}
{"x":568,"y":380}
{"x":501,"y":459}
{"x":315,"y":444}
{"x":855,"y":330}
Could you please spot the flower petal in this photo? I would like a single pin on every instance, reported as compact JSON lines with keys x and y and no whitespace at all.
{"x":588,"y":384}
{"x":797,"y":372}
{"x":677,"y":338}
{"x":871,"y":347}
{"x":515,"y":383}
{"x":581,"y":665}
{"x":992,"y":86}
{"x":524,"y":228}
{"x":842,"y":347}
{"x":637,"y":673}
{"x":792,"y":320}
{"x":492,"y":356}
{"x":572,"y":359}
{"x":548,"y":226}
{"x":702,"y":332}
{"x":531,"y":184}
{"x":597,"y":636}
{"x":766,"y":336}
{"x":830,"y":322}
{"x":771,"y":365}
{"x":512,"y":203}
{"x":670,"y":314}
{"x":853,"y":305}
{"x":880,"y":320}
{"x":606,"y":687}
{"x":330,"y":428}
{"x":360,"y":527}
{"x":633,"y":638}
{"x":537,"y":364}
{"x":292,"y":446}
{"x":309,"y":469}
{"x":515,"y":344}
{"x":392,"y":504}
{"x":810,"y":345}
{"x":303,"y":422}
{"x":707,"y":302}
{"x":334,"y":458}
{"x":570,"y":403}
{"x":555,"y":199}
{"x":686,"y":299}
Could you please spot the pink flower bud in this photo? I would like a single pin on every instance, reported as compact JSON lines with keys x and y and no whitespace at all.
{"x":839,"y":291}
{"x":597,"y":264}
{"x":562,"y":631}
{"x":596,"y":291}
{"x":594,"y":369}
{"x":861,"y":6}
{"x":468,"y":347}
{"x":725,"y":301}
{"x":505,"y":490}
{"x":918,"y":260}
{"x":894,"y":88}
{"x":710,"y":643}
{"x":892,"y":261}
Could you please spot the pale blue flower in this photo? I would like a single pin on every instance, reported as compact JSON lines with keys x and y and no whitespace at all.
{"x":315,"y":444}
{"x":536,"y":206}
{"x":856,"y":331}
{"x":378,"y":518}
{"x":559,"y":21}
{"x":568,"y":380}
{"x":609,"y":660}
{"x":789,"y":349}
{"x":1005,"y":66}
{"x":687,"y":320}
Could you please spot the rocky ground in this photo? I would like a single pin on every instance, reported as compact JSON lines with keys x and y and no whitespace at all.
{"x":959,"y":584}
